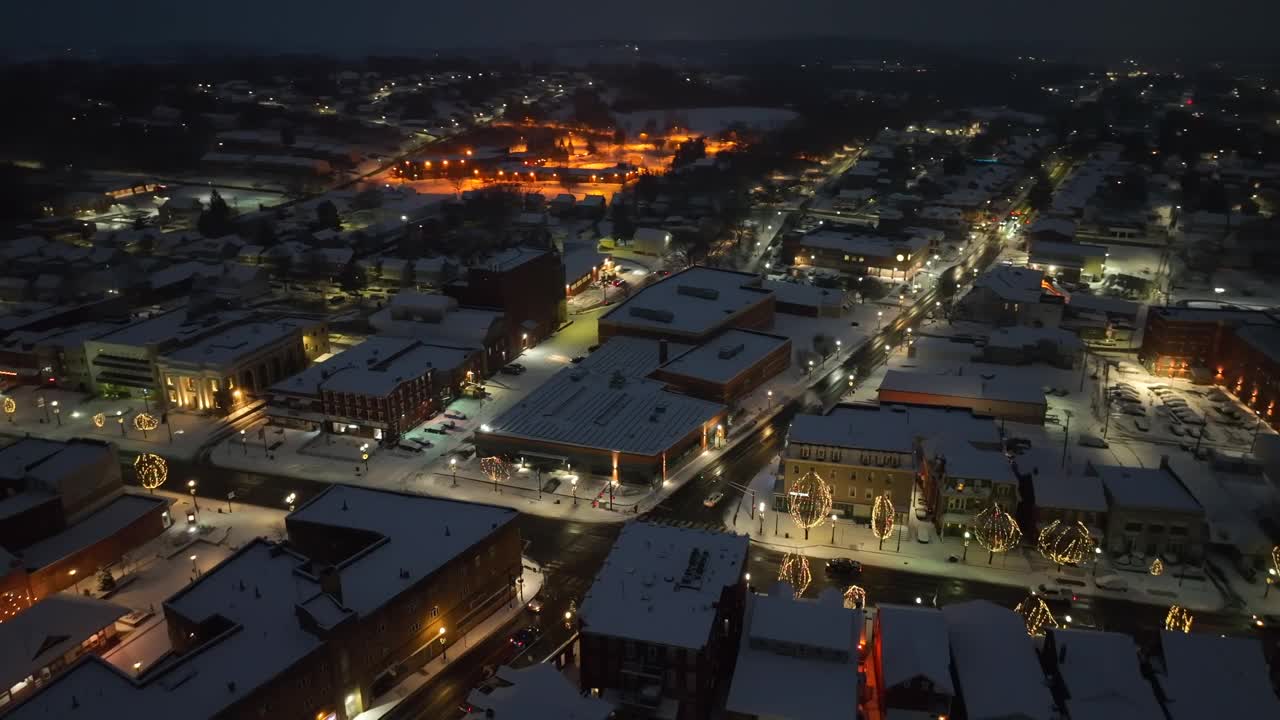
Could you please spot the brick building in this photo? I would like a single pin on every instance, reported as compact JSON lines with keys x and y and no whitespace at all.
{"x":64,"y":515}
{"x":662,"y":621}
{"x":1193,"y":343}
{"x":369,"y":585}
{"x":526,"y":284}
{"x":728,"y":367}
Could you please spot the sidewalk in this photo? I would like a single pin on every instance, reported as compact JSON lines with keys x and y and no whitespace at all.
{"x":458,"y":648}
{"x":304,"y":454}
{"x":901,"y":551}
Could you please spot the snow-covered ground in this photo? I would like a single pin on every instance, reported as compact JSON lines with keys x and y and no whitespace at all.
{"x":438,"y":471}
{"x":73,"y":416}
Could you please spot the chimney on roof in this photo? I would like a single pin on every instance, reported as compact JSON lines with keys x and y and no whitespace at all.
{"x":662,"y":352}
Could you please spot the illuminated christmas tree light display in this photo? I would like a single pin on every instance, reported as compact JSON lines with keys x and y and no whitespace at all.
{"x":99,"y":420}
{"x":795,"y":572}
{"x":996,"y":531}
{"x":1065,"y":543}
{"x":10,"y":407}
{"x":1275,"y":559}
{"x":855,"y":598}
{"x":1179,"y":618}
{"x":496,"y":469}
{"x":1157,"y":567}
{"x":145,"y":422}
{"x":1036,"y":615}
{"x":13,"y":602}
{"x":809,"y":502}
{"x":882,"y":518}
{"x":152,"y":470}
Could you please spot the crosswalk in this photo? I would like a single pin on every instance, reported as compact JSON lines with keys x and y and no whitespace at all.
{"x":692,"y":524}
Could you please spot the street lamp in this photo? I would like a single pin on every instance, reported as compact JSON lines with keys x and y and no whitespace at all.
{"x":1271,"y":580}
{"x":761,"y":508}
{"x":967,"y":537}
{"x":365,"y":458}
{"x":194,"y":569}
{"x":191,"y":487}
{"x":244,"y":443}
{"x":833,"y":528}
{"x":1097,"y":559}
{"x":573,"y":482}
{"x":879,"y":318}
{"x":443,"y":644}
{"x":453,"y":465}
{"x":57,"y":412}
{"x":769,"y":393}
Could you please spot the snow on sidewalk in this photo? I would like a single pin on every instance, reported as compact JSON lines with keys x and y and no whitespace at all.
{"x":458,"y":648}
{"x":901,"y":551}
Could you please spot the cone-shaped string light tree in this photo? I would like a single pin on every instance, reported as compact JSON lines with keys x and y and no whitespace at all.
{"x":855,"y":598}
{"x":1036,"y":615}
{"x":996,"y":530}
{"x":1179,"y":619}
{"x":1065,"y":543}
{"x":1157,"y":567}
{"x":809,"y":502}
{"x":795,"y":572}
{"x":882,"y":518}
{"x":145,"y":422}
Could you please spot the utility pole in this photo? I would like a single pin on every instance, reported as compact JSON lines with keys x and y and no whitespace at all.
{"x":1066,"y":434}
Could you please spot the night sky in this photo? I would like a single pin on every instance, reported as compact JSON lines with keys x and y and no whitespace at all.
{"x":362,"y":26}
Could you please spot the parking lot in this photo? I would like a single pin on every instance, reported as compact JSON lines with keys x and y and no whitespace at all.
{"x":1176,"y":412}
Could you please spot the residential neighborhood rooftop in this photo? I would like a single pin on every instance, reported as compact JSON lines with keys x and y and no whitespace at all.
{"x":995,"y":663}
{"x":692,"y":302}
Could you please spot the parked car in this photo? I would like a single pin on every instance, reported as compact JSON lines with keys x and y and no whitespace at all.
{"x":578,"y":359}
{"x":534,"y":605}
{"x":713,"y":499}
{"x":524,"y":636}
{"x":1177,"y":430}
{"x":455,"y":415}
{"x":1049,"y":592}
{"x":1133,"y":409}
{"x":1093,"y":441}
{"x":924,"y":534}
{"x":509,"y":370}
{"x":1111,"y":582}
{"x":844,"y":566}
{"x":1141,"y":424}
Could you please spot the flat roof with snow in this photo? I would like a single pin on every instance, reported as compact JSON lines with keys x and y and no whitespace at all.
{"x":1102,"y":678}
{"x":727,"y":356}
{"x":913,"y":644}
{"x":631,"y":356}
{"x":1146,"y":488}
{"x":660,"y":584}
{"x":1208,"y":676}
{"x":538,"y":692}
{"x":1016,"y":284}
{"x":888,"y":428}
{"x":607,"y":411}
{"x":996,"y":664}
{"x":236,"y":342}
{"x":828,"y":676}
{"x":694,"y":302}
{"x":972,"y":387}
{"x":872,"y":245}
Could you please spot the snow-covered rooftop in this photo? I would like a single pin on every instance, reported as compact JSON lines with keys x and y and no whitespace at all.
{"x":971,"y":387}
{"x":1102,"y":678}
{"x":1148,"y":488}
{"x":1055,"y":489}
{"x":43,"y":633}
{"x":996,"y":663}
{"x":889,"y":429}
{"x":826,"y":668}
{"x":607,"y":411}
{"x":1016,"y":284}
{"x":875,"y":246}
{"x":726,"y":356}
{"x":660,"y":584}
{"x":1208,"y":676}
{"x":631,"y":356}
{"x":795,"y":293}
{"x":695,"y":302}
{"x":538,"y":692}
{"x":964,"y":460}
{"x":92,"y":529}
{"x":236,"y":342}
{"x":913,"y":644}
{"x":422,"y":534}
